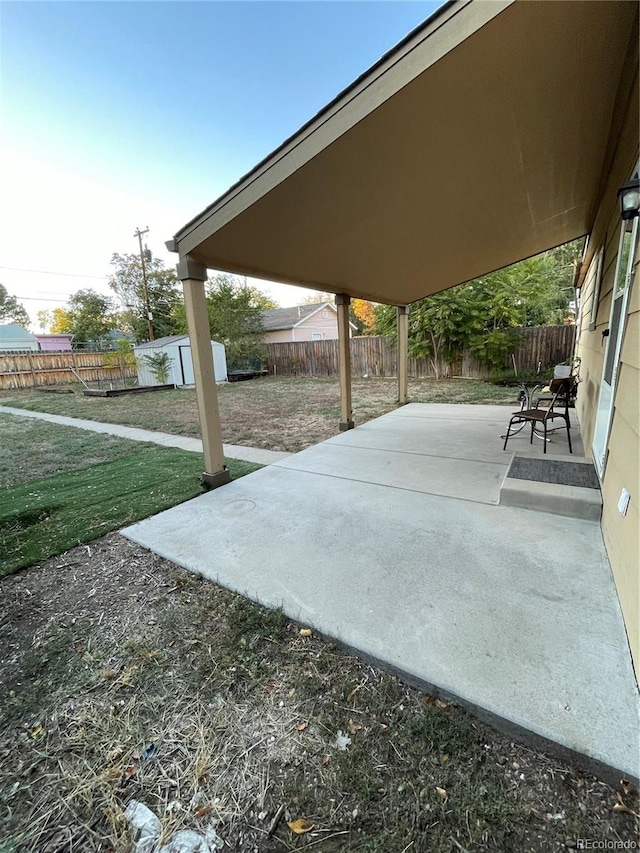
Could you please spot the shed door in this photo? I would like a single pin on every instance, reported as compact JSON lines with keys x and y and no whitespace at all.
{"x":620,"y":302}
{"x":186,"y":365}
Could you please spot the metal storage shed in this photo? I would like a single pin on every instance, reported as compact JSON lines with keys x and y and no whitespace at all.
{"x":178,"y":348}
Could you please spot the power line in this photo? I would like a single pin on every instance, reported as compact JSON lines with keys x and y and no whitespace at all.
{"x":42,"y":299}
{"x":45,"y":294}
{"x":50,"y":272}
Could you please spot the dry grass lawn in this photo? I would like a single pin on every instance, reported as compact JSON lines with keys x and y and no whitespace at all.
{"x":277,"y":414}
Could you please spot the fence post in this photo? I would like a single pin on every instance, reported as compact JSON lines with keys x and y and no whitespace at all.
{"x":33,"y":373}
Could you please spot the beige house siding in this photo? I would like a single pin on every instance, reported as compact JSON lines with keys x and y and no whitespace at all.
{"x":621,"y":533}
{"x":315,"y":324}
{"x":282,"y":336}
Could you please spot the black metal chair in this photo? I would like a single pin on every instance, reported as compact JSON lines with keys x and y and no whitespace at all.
{"x":560,"y":395}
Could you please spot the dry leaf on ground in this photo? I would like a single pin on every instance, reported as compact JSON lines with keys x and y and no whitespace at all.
{"x":442,"y":792}
{"x":300,"y":826}
{"x":305,"y":632}
{"x":620,"y":808}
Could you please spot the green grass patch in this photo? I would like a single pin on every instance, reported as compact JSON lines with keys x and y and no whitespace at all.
{"x":45,"y":517}
{"x":32,"y":448}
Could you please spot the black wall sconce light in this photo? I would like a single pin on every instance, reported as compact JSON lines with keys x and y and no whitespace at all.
{"x":629,"y":198}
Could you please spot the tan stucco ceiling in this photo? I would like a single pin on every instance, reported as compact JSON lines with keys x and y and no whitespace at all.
{"x":479,"y":142}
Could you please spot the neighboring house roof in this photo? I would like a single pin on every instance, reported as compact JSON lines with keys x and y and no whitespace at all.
{"x":287,"y":318}
{"x":276,"y":319}
{"x":12,"y":333}
{"x":163,"y":342}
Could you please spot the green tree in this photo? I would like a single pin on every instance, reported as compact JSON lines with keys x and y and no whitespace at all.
{"x":89,"y":317}
{"x":11,"y":311}
{"x":165,"y":295}
{"x":122,"y":357}
{"x":235,"y":316}
{"x":483,"y":314}
{"x":439,"y":325}
{"x":44,"y":319}
{"x":160,"y":365}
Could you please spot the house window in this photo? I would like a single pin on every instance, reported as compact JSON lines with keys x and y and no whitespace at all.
{"x":596,"y":264}
{"x":316,"y":336}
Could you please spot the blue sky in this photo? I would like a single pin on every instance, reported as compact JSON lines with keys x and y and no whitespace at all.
{"x":116,"y":115}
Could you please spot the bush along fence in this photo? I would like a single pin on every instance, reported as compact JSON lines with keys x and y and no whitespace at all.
{"x":40,"y":369}
{"x":376,"y":356}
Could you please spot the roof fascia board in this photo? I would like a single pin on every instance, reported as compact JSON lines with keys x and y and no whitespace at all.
{"x":313,"y":313}
{"x":412,"y":58}
{"x":325,"y":305}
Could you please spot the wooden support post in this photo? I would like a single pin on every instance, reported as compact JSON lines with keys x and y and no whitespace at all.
{"x":193,"y":276}
{"x":344,"y":355}
{"x":403,"y":355}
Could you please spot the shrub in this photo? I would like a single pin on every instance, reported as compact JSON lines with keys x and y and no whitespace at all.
{"x":160,"y":365}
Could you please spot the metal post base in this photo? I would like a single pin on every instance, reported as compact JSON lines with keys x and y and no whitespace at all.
{"x":212,"y":481}
{"x":345,"y":425}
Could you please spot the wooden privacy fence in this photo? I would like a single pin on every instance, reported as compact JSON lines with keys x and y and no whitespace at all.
{"x":376,"y":356}
{"x":39,"y":369}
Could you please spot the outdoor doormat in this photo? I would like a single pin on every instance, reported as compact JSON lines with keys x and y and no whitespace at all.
{"x":554,"y":471}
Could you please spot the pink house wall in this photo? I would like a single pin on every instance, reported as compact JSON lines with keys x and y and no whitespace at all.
{"x":326,"y":326}
{"x":49,"y":343}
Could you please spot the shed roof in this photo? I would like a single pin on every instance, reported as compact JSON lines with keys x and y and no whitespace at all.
{"x":481,"y":139}
{"x":163,"y":342}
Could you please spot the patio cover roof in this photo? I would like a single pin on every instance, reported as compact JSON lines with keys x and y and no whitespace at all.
{"x":481,"y":139}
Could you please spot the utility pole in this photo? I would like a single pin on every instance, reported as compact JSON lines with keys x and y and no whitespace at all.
{"x":139,"y":234}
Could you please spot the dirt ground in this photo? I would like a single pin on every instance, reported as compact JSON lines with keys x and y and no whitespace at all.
{"x":126,"y":678}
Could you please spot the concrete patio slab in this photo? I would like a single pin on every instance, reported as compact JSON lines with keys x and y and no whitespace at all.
{"x":511,"y":612}
{"x":445,"y":476}
{"x":447,"y":436}
{"x":467,"y":416}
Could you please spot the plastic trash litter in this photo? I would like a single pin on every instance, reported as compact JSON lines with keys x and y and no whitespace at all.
{"x":188,"y":841}
{"x":148,"y":826}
